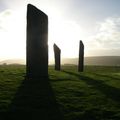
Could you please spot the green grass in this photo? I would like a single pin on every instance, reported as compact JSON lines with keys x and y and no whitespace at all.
{"x":91,"y":95}
{"x":10,"y":79}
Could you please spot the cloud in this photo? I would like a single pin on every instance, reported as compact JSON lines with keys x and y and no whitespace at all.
{"x":12,"y":34}
{"x":107,"y":35}
{"x":4,"y":18}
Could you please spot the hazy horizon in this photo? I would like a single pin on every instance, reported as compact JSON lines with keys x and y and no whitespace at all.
{"x":90,"y":60}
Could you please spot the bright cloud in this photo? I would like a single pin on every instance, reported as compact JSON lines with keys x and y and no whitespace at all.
{"x":12,"y":35}
{"x":108,"y":35}
{"x":106,"y":38}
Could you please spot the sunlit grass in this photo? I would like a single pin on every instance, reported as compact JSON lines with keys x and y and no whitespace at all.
{"x":91,"y":95}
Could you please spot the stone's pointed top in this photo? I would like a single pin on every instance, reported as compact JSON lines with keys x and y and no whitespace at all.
{"x":81,"y":42}
{"x":56,"y":47}
{"x":31,"y":7}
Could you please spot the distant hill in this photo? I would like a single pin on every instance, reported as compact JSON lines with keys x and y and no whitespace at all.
{"x":13,"y":61}
{"x":93,"y":60}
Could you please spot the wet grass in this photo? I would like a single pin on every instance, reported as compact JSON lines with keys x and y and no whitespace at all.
{"x":91,"y":95}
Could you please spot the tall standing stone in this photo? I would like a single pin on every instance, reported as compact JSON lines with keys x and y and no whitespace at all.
{"x":57,"y":53}
{"x":37,"y":43}
{"x":81,"y":57}
{"x":35,"y":99}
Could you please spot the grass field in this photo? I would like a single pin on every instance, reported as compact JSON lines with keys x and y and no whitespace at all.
{"x":91,"y":95}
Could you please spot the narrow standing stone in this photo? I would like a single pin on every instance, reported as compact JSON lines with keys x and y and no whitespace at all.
{"x":57,"y":53}
{"x":81,"y":57}
{"x":37,"y":43}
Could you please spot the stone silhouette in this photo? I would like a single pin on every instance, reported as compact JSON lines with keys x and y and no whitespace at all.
{"x":57,"y":53}
{"x":34,"y":99}
{"x":81,"y":57}
{"x":37,"y":43}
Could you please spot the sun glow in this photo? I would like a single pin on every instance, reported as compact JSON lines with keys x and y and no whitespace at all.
{"x":66,"y":34}
{"x":12,"y":35}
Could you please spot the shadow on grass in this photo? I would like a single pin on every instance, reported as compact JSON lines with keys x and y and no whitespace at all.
{"x":34,"y":100}
{"x":107,"y":76}
{"x":110,"y":92}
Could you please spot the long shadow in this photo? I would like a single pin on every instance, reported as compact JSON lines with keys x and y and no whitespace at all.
{"x":107,"y":76}
{"x":110,"y":92}
{"x":35,"y":100}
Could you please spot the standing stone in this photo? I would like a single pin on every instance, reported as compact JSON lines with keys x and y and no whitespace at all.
{"x":37,"y":43}
{"x":81,"y":57}
{"x":57,"y":53}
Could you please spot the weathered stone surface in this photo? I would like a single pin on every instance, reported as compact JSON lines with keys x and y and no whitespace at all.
{"x":37,"y":43}
{"x":57,"y":53}
{"x":34,"y":99}
{"x":81,"y":57}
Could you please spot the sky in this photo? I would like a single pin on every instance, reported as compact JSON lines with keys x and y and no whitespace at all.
{"x":95,"y":22}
